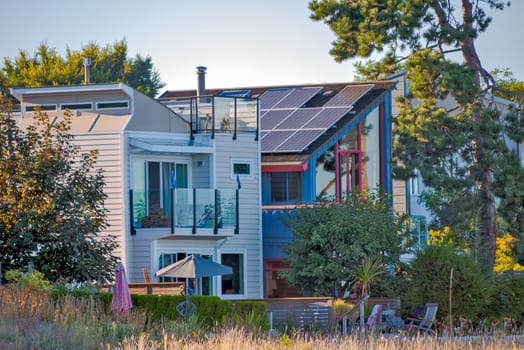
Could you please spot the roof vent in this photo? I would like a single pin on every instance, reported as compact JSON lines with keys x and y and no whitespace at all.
{"x":87,"y":70}
{"x":201,"y":74}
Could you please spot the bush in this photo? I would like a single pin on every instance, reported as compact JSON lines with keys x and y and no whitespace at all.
{"x":509,"y":300}
{"x":34,"y":279}
{"x":429,"y":281}
{"x":251,"y":315}
{"x":211,"y":309}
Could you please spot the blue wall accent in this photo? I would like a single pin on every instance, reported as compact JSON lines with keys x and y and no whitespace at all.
{"x":388,"y":144}
{"x":275,"y":234}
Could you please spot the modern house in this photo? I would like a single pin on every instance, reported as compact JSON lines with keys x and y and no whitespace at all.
{"x":178,"y":183}
{"x":316,"y":141}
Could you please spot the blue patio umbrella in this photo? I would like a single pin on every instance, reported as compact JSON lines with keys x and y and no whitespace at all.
{"x":194,"y":266}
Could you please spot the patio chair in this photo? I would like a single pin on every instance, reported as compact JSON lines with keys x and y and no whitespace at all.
{"x":374,"y":321}
{"x":426,"y":322}
{"x":147,"y":279}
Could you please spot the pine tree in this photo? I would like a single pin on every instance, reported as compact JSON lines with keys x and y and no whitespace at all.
{"x":459,"y":150}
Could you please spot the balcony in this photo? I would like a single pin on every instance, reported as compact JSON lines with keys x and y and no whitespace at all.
{"x":195,"y":211}
{"x":217,"y":114}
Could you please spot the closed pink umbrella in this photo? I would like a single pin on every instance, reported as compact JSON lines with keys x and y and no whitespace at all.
{"x":121,"y":302}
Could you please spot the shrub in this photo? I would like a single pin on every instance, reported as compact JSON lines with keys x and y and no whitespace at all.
{"x":429,"y":281}
{"x":509,"y":300}
{"x":251,"y":314}
{"x":211,"y":309}
{"x":34,"y":279}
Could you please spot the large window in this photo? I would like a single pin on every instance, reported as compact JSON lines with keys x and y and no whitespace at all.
{"x":286,"y":187}
{"x":152,"y":185}
{"x":233,"y":284}
{"x":371,"y":145}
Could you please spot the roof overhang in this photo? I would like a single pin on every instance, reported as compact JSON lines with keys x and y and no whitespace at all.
{"x":18,"y":92}
{"x":273,"y":167}
{"x":174,"y":145}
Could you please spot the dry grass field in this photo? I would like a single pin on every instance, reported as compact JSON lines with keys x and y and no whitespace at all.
{"x":31,"y":319}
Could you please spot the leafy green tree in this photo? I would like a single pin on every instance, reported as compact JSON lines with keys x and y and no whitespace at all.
{"x":109,"y":65}
{"x":51,"y":203}
{"x":332,"y":241}
{"x":459,"y":151}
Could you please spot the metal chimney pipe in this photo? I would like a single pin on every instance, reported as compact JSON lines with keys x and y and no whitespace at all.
{"x":201,"y":73}
{"x":87,"y":70}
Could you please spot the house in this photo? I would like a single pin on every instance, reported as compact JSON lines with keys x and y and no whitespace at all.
{"x":316,"y":141}
{"x":172,"y":178}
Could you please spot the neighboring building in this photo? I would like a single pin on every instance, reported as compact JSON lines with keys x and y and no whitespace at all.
{"x":317,"y":141}
{"x":171,"y":178}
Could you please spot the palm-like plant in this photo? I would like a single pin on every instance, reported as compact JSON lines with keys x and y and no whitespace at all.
{"x":368,"y":268}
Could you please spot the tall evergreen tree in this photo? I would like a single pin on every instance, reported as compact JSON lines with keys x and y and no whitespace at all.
{"x":51,"y":203}
{"x":110,"y":64}
{"x":459,"y":151}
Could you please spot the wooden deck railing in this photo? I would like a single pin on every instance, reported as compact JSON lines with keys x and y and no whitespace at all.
{"x":158,"y":288}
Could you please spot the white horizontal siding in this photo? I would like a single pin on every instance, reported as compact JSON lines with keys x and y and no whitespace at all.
{"x":109,"y":147}
{"x":249,"y":239}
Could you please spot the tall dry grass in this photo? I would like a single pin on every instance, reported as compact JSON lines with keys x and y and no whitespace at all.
{"x":237,"y":339}
{"x":31,"y":319}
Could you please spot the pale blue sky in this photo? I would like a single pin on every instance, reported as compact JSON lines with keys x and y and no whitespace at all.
{"x":259,"y":42}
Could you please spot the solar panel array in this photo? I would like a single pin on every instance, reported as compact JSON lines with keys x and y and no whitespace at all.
{"x":349,"y":95}
{"x":288,"y":128}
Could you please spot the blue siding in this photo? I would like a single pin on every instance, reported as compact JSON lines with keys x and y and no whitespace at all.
{"x":388,"y":144}
{"x":275,"y":234}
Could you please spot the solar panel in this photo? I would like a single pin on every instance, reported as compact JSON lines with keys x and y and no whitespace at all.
{"x":298,"y":118}
{"x":349,"y":95}
{"x":298,"y":97}
{"x":271,"y":97}
{"x":271,"y":118}
{"x":235,"y":93}
{"x":274,"y":138}
{"x":326,"y":118}
{"x":299,"y":140}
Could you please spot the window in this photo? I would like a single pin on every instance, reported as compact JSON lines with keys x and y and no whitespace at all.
{"x":286,"y":187}
{"x":233,"y":284}
{"x":275,"y":285}
{"x":413,"y":183}
{"x":112,"y":105}
{"x":152,"y":184}
{"x":42,"y":108}
{"x":241,"y":167}
{"x":76,"y":106}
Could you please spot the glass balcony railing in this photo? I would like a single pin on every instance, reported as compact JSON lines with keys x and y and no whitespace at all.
{"x":217,"y":114}
{"x":187,"y":208}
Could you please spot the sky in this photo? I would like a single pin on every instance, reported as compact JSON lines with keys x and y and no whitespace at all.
{"x":241,"y":42}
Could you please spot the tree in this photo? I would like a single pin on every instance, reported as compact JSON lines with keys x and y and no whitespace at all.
{"x":51,"y":203}
{"x":109,"y":65}
{"x":429,"y":281}
{"x":458,"y":151}
{"x":332,"y":240}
